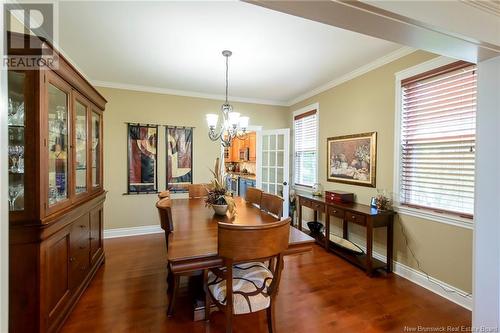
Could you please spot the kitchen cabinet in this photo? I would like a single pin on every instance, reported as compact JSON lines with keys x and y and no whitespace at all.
{"x":244,"y":184}
{"x":252,"y":145}
{"x":232,"y":153}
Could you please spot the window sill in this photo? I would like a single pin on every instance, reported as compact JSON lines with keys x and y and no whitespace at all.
{"x":436,"y":217}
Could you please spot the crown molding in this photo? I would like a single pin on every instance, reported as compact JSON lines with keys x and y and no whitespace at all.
{"x":390,"y":57}
{"x":165,"y":91}
{"x":399,"y":53}
{"x":489,"y":6}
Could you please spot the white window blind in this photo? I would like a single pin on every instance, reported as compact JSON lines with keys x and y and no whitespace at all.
{"x":306,"y":143}
{"x":438,"y":140}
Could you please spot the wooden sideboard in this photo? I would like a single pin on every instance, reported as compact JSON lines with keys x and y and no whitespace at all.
{"x":362,"y":215}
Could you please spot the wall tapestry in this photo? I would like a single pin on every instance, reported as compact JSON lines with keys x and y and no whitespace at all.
{"x":179,"y":158}
{"x":142,"y":158}
{"x":352,"y":159}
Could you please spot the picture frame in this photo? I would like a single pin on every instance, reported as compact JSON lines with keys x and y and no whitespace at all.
{"x":352,"y":159}
{"x":179,"y":163}
{"x":142,"y":165}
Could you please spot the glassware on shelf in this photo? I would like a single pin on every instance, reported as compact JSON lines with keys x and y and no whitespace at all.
{"x":52,"y":195}
{"x":14,"y":192}
{"x":16,"y":154}
{"x":15,"y":113}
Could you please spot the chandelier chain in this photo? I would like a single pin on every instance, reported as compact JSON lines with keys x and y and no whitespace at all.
{"x":227,"y":76}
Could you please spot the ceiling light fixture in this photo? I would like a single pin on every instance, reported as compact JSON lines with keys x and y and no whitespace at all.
{"x":233,"y":125}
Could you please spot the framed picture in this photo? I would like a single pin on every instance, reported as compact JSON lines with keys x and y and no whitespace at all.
{"x":179,"y":158}
{"x":142,"y":159}
{"x":352,"y":159}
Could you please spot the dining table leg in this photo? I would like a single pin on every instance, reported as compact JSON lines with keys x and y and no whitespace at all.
{"x":173,"y":294}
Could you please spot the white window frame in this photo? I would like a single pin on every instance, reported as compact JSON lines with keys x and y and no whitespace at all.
{"x":418,"y":212}
{"x":314,"y":106}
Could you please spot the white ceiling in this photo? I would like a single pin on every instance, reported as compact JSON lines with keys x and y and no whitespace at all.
{"x":176,"y":46}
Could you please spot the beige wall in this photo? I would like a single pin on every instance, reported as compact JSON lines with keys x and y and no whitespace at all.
{"x":365,"y":104}
{"x":132,"y":106}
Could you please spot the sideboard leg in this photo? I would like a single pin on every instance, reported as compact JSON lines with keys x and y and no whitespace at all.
{"x":390,"y":243}
{"x":369,"y":249}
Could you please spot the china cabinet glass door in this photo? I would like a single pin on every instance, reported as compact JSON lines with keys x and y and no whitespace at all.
{"x":96,"y":149}
{"x":81,"y":134}
{"x":16,"y":130}
{"x":58,"y":145}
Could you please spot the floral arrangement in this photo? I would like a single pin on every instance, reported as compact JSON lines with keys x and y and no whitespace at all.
{"x":362,"y":153}
{"x":217,"y":193}
{"x":383,"y":201}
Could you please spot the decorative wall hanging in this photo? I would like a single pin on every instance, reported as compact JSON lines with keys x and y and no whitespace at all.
{"x":179,"y":158}
{"x":142,"y":158}
{"x":352,"y":159}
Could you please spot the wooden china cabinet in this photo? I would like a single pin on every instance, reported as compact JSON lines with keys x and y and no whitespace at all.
{"x":56,"y":194}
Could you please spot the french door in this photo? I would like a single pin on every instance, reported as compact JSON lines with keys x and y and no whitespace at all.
{"x":273,"y":156}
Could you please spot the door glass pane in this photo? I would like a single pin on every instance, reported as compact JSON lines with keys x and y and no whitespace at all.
{"x":265,"y":142}
{"x":96,"y":149}
{"x":280,"y":159}
{"x":265,"y":158}
{"x":81,"y":148}
{"x":265,"y":172}
{"x":272,"y":188}
{"x":272,"y":142}
{"x":280,"y":190}
{"x":16,"y":122}
{"x":272,"y":175}
{"x":265,"y":187}
{"x":58,"y":144}
{"x":272,"y":158}
{"x":281,"y":142}
{"x":279,"y":175}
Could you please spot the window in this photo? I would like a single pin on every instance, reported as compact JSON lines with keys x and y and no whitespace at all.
{"x":437,"y":140}
{"x":305,"y":127}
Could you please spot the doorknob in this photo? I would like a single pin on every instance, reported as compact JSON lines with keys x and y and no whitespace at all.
{"x":285,"y":183}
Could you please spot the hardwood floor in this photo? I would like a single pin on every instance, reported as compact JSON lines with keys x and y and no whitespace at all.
{"x":319,"y":292}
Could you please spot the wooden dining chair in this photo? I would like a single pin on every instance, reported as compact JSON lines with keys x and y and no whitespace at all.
{"x":197,"y":190}
{"x":272,"y":204}
{"x":253,"y":196}
{"x":244,"y":284}
{"x":164,"y":194}
{"x":165,"y":213}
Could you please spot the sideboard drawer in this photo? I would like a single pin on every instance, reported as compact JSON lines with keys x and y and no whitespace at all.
{"x":355,"y":218}
{"x":337,"y":212}
{"x":313,"y":204}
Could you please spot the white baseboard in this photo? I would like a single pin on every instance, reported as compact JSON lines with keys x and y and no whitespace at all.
{"x":132,"y":231}
{"x":455,"y":295}
{"x":451,"y":293}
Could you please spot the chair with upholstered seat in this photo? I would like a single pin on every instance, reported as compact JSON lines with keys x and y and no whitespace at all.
{"x":164,"y":194}
{"x":253,"y":196}
{"x":197,"y":190}
{"x":244,"y":284}
{"x":272,"y":204}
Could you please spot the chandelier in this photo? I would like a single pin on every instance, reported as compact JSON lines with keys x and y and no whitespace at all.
{"x":232,"y":125}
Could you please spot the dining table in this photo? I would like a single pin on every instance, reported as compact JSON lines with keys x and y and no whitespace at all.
{"x":192,"y":245}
